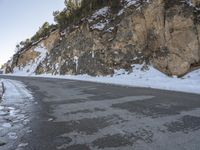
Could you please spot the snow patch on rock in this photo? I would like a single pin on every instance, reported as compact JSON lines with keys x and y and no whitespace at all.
{"x":31,"y":67}
{"x":101,"y":13}
{"x":100,"y":25}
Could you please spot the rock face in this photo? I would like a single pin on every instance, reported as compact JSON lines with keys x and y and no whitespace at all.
{"x":179,"y":37}
{"x":163,"y":33}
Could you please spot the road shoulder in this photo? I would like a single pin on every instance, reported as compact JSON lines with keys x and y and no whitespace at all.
{"x":2,"y":89}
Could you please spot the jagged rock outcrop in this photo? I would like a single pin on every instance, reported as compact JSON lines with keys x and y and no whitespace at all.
{"x":179,"y":39}
{"x":163,"y":33}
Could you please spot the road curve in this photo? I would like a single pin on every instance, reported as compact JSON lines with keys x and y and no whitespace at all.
{"x":75,"y":115}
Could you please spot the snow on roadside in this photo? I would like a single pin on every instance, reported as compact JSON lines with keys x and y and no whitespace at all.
{"x":14,"y":112}
{"x":1,"y":89}
{"x":16,"y":91}
{"x":150,"y":78}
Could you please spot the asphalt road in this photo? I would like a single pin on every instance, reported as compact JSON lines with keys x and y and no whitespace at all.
{"x":75,"y":115}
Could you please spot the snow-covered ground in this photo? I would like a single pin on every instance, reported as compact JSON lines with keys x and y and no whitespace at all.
{"x":1,"y":90}
{"x":14,"y":115}
{"x":150,"y":78}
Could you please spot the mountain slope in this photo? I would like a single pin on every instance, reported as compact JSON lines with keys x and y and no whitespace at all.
{"x":162,"y":33}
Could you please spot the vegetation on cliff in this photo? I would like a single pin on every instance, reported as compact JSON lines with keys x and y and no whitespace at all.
{"x":76,"y":10}
{"x":72,"y":14}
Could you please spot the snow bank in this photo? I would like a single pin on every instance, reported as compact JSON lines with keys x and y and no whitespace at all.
{"x":150,"y":78}
{"x":1,"y":90}
{"x":14,"y":112}
{"x":16,"y":90}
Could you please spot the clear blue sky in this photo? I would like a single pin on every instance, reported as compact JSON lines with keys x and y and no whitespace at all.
{"x":20,"y":19}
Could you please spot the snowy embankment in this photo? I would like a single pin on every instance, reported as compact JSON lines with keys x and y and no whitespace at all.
{"x":1,"y":90}
{"x":14,"y":114}
{"x":150,"y":78}
{"x":139,"y":77}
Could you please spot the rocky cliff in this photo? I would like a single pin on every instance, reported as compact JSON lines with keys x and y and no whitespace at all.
{"x":162,"y":33}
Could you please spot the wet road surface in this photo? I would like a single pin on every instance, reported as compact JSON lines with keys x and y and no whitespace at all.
{"x":75,"y":115}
